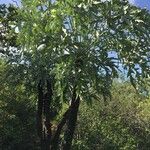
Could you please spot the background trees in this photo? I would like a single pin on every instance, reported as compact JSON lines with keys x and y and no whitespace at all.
{"x":117,"y":125}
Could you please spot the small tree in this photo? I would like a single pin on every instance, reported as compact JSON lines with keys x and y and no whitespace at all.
{"x":73,"y":50}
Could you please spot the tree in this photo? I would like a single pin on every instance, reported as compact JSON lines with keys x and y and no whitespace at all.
{"x":73,"y":50}
{"x":17,"y":111}
{"x":8,"y":36}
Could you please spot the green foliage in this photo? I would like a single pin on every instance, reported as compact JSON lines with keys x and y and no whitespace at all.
{"x":73,"y":41}
{"x":78,"y":44}
{"x":17,"y":111}
{"x":122,"y":124}
{"x":8,"y":19}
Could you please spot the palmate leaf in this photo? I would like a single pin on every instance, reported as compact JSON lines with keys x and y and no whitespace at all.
{"x":79,"y":36}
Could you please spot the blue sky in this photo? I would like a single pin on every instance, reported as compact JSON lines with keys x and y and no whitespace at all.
{"x":9,"y":1}
{"x":140,"y":3}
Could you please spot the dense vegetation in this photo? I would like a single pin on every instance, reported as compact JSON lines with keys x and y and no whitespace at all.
{"x":60,"y":67}
{"x":122,"y":123}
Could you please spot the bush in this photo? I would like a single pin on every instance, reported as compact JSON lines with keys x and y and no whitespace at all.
{"x":121,"y":124}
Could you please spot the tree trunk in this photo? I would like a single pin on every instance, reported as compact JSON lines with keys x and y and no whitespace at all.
{"x":71,"y":123}
{"x":55,"y":140}
{"x":39,"y":113}
{"x":43,"y":115}
{"x":50,"y":139}
{"x":47,"y":104}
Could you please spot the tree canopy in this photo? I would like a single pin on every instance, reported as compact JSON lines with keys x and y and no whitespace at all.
{"x":84,"y":43}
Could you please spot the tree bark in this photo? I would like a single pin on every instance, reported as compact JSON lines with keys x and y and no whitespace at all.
{"x":49,"y":140}
{"x":71,"y":123}
{"x":47,"y":104}
{"x":39,"y":113}
{"x":43,"y":115}
{"x":55,"y":140}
